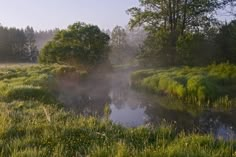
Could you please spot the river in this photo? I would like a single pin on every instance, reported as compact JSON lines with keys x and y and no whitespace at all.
{"x":132,"y":109}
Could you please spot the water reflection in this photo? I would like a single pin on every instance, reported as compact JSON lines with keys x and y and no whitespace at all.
{"x":225,"y":132}
{"x":130,"y":108}
{"x":221,"y":124}
{"x":86,"y":97}
{"x":128,"y":116}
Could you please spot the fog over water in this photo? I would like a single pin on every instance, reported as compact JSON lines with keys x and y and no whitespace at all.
{"x":132,"y":109}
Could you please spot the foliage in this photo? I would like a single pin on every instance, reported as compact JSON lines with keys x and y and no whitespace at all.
{"x":178,"y":30}
{"x":125,"y":44}
{"x":79,"y":44}
{"x":226,"y":41}
{"x":196,"y":49}
{"x":118,"y":45}
{"x":175,"y":16}
{"x":157,"y":50}
{"x":212,"y":85}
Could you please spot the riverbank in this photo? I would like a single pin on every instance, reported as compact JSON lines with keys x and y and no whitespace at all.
{"x":211,"y":87}
{"x":35,"y":123}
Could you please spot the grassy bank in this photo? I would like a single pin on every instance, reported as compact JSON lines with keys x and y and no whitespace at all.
{"x":33,"y":123}
{"x":212,"y":86}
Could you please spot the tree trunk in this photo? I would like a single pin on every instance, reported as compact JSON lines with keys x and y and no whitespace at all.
{"x":177,"y":13}
{"x":174,"y":15}
{"x":184,"y":17}
{"x":170,"y":16}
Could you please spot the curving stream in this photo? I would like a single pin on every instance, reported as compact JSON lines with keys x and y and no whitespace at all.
{"x":131,"y":108}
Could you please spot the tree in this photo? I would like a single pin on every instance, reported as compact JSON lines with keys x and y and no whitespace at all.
{"x":118,"y":37}
{"x":31,"y":50}
{"x":125,"y":44}
{"x":78,"y":44}
{"x":118,"y":45}
{"x":196,"y":49}
{"x":226,"y":40}
{"x":17,"y":41}
{"x":168,"y":20}
{"x":176,"y":16}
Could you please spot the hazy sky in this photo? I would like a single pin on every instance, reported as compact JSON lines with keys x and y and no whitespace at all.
{"x":48,"y":14}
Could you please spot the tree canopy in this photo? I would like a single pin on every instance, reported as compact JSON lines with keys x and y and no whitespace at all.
{"x":170,"y":22}
{"x":226,"y":40}
{"x":80,"y":43}
{"x":176,"y":16}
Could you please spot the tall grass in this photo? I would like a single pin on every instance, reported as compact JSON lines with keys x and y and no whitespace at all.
{"x":214,"y":85}
{"x":29,"y":133}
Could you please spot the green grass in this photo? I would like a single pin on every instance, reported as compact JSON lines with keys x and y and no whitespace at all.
{"x":33,"y":124}
{"x":212,"y":86}
{"x":31,"y":128}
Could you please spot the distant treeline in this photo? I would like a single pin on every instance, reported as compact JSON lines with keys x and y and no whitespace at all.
{"x":22,"y":45}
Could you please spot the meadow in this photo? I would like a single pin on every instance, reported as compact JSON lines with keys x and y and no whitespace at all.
{"x":34,"y":123}
{"x":213,"y":86}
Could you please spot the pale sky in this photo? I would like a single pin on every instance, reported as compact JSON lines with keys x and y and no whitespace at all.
{"x":49,"y":14}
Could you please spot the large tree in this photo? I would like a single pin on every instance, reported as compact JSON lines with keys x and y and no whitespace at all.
{"x":177,"y":16}
{"x":78,"y":44}
{"x":168,"y":20}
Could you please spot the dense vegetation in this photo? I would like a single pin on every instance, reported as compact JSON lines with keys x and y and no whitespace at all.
{"x":184,"y":32}
{"x":79,"y":44}
{"x":33,"y":123}
{"x":207,"y":86}
{"x":125,"y":44}
{"x":17,"y":45}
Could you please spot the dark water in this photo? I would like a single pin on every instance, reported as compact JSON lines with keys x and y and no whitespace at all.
{"x":131,"y":108}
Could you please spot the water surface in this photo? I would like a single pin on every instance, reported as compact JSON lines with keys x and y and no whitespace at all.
{"x":131,"y":108}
